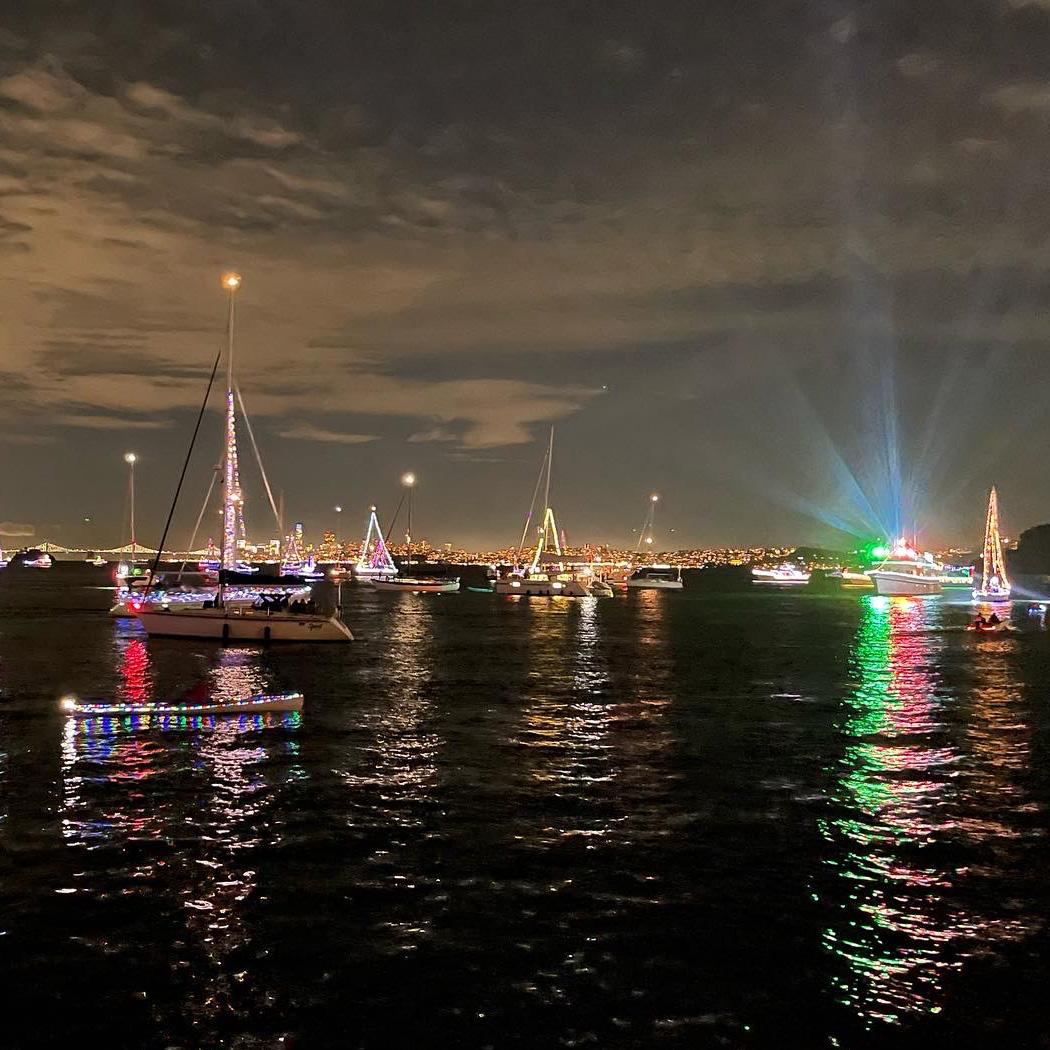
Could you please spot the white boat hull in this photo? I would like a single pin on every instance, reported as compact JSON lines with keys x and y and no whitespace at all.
{"x":991,"y":596}
{"x":897,"y":584}
{"x":243,"y":625}
{"x":654,"y":585}
{"x":403,"y":583}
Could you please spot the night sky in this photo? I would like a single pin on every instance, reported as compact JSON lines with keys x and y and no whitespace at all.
{"x":785,"y":263}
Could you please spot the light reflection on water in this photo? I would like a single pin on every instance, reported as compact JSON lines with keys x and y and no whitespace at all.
{"x":400,"y":756}
{"x":588,"y":729}
{"x":901,"y":920}
{"x":199,"y":829}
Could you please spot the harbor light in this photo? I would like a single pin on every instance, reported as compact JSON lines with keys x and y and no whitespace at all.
{"x":231,"y":281}
{"x":408,"y":479}
{"x":655,"y":497}
{"x":68,"y":703}
{"x":130,"y":457}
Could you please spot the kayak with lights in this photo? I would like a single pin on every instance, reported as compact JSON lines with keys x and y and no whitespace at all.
{"x":246,"y":705}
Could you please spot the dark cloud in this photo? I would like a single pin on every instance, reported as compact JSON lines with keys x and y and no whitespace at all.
{"x":458,"y":226}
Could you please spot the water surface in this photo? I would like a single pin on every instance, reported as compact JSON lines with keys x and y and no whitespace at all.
{"x":657,"y":820}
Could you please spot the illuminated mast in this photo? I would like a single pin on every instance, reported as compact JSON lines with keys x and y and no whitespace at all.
{"x":994,"y":581}
{"x":409,"y":481}
{"x":232,"y":502}
{"x":548,"y":532}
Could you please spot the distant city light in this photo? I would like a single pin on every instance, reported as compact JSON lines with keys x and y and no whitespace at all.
{"x":655,"y":497}
{"x":338,"y":509}
{"x":408,"y":479}
{"x":130,"y":457}
{"x":231,"y":281}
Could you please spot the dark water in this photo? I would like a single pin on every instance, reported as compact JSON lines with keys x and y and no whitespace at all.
{"x":656,"y":820}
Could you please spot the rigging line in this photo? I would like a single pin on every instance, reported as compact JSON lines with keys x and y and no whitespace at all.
{"x":258,"y":458}
{"x":182,"y":476}
{"x":200,"y":517}
{"x":532,"y":507}
{"x":647,"y":525}
{"x":393,"y":520}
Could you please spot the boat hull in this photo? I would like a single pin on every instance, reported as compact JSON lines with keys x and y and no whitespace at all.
{"x":243,"y":625}
{"x":655,"y":585}
{"x":416,"y":585}
{"x":903,"y":584}
{"x":991,"y":596}
{"x":543,"y":588}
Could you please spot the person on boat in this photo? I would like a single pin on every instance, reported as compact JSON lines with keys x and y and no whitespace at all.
{"x":994,"y":621}
{"x":980,"y":623}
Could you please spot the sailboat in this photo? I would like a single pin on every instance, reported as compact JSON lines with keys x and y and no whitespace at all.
{"x":546,"y":575}
{"x":268,"y":621}
{"x":405,"y":581}
{"x":374,"y":560}
{"x":995,"y":584}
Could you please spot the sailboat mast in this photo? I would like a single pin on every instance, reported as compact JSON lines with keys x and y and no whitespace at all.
{"x":129,"y":458}
{"x":550,"y":460}
{"x":409,"y":481}
{"x":986,"y":554}
{"x":231,"y":488}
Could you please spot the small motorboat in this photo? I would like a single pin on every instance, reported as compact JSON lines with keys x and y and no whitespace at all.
{"x":245,"y":705}
{"x":993,"y":593}
{"x":601,"y":589}
{"x":1003,"y":627}
{"x":426,"y":584}
{"x":785,"y":575}
{"x":656,"y":578}
{"x":36,"y":559}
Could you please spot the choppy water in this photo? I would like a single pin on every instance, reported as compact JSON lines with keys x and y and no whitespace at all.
{"x":656,"y":820}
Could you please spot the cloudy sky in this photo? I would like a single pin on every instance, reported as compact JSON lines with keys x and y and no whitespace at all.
{"x":785,"y":263}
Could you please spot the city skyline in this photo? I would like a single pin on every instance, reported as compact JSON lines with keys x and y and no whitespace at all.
{"x":787,"y":272}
